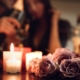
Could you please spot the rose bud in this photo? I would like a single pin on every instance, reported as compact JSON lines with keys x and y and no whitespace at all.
{"x":70,"y":68}
{"x":46,"y":67}
{"x":61,"y":54}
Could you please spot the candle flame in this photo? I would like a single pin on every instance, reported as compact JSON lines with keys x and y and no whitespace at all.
{"x":12,"y":47}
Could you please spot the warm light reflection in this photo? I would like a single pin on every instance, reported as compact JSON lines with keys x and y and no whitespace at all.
{"x":12,"y":77}
{"x":31,"y":77}
{"x":12,"y":47}
{"x":27,"y":76}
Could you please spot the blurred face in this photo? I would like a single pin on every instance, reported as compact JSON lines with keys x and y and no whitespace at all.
{"x":35,"y":8}
{"x":9,"y":3}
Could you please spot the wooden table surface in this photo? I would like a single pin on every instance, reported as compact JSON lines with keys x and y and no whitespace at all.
{"x":27,"y":76}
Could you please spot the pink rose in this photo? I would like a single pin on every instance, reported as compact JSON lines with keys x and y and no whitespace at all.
{"x":34,"y":66}
{"x":46,"y":67}
{"x":61,"y":54}
{"x":70,"y":68}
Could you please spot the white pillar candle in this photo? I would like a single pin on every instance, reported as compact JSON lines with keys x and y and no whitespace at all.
{"x":12,"y":60}
{"x":32,"y":55}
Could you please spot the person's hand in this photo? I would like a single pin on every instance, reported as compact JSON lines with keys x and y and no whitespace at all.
{"x":7,"y":26}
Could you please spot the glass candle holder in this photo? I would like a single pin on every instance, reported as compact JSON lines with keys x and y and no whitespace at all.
{"x":30,"y":56}
{"x":12,"y":61}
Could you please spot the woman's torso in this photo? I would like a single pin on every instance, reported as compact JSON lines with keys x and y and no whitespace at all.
{"x":39,"y":37}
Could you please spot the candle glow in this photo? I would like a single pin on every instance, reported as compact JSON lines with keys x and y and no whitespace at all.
{"x":12,"y":60}
{"x":32,"y":55}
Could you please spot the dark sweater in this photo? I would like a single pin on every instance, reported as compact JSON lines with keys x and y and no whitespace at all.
{"x":64,"y":35}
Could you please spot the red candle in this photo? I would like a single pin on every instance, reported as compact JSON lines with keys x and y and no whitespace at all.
{"x":24,"y":51}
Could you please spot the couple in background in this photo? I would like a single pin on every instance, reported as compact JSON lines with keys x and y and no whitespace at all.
{"x":46,"y":30}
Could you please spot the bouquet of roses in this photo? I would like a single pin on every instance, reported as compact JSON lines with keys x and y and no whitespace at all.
{"x":42,"y":67}
{"x":62,"y":60}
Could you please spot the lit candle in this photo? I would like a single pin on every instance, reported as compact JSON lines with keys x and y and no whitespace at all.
{"x":12,"y":60}
{"x":32,"y":55}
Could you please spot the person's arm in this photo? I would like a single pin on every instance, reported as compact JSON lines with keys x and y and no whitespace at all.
{"x":54,"y":41}
{"x":7,"y":28}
